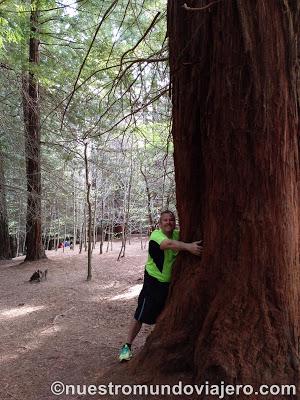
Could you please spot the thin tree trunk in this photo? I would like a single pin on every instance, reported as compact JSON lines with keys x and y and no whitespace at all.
{"x":74,"y":212}
{"x":108,"y":239}
{"x":58,"y":230}
{"x":85,"y":230}
{"x":150,"y":218}
{"x":81,"y":238}
{"x":5,"y":250}
{"x":101,"y":227}
{"x":65,"y":230}
{"x":89,"y":235}
{"x":50,"y":229}
{"x":95,"y":227}
{"x":126,"y":209}
{"x":19,"y":229}
{"x":141,"y":236}
{"x":129,"y":235}
{"x":111,"y":236}
{"x":24,"y":244}
{"x":110,"y":229}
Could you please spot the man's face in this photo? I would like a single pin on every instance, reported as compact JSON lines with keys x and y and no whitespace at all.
{"x":167,"y":223}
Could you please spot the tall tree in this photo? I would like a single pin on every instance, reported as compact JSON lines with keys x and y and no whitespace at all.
{"x":5,"y":251}
{"x":34,"y":246}
{"x":89,"y":209}
{"x":234,"y":315}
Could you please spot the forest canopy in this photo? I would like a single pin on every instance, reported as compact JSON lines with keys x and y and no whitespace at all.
{"x":101,"y":77}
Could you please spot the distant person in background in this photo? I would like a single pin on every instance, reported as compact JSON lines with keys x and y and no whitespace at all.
{"x":163,"y":249}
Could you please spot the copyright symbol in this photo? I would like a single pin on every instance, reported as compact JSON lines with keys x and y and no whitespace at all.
{"x":57,"y":388}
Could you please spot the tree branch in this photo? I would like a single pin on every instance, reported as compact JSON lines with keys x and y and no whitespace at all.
{"x":85,"y":58}
{"x":131,"y":113}
{"x":186,"y":7}
{"x":141,"y":39}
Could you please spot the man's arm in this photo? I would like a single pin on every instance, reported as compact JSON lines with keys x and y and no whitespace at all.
{"x":193,"y":248}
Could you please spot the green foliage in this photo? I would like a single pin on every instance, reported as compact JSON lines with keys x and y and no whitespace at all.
{"x":109,"y":91}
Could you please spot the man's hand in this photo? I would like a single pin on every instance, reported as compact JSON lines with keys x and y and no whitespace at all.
{"x":195,"y":248}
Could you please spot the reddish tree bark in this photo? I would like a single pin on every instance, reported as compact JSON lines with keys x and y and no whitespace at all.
{"x":34,"y":247}
{"x":234,"y":314}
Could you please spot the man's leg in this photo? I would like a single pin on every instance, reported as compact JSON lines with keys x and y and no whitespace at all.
{"x":126,"y":353}
{"x":134,"y":329}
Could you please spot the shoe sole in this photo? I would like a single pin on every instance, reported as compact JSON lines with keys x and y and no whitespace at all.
{"x":125,"y":359}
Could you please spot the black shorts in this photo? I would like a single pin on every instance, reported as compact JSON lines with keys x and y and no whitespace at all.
{"x":151,"y":300}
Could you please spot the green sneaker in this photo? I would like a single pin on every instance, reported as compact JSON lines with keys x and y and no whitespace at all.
{"x":125,"y":353}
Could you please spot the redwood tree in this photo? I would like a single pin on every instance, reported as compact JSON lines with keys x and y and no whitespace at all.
{"x":234,"y":314}
{"x":30,"y":86}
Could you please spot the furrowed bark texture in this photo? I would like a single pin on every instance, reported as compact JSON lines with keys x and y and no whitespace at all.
{"x":234,"y":314}
{"x":34,"y":247}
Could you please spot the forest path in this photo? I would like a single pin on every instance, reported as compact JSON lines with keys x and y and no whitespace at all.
{"x":65,"y":329}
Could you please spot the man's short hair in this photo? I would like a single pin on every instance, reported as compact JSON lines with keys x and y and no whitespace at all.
{"x":167,"y":212}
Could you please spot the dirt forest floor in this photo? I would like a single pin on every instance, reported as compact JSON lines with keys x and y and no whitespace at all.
{"x":66,"y":329}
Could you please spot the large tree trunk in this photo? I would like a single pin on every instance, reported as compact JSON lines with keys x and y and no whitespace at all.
{"x":234,"y":314}
{"x":34,"y":247}
{"x":5,"y":251}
